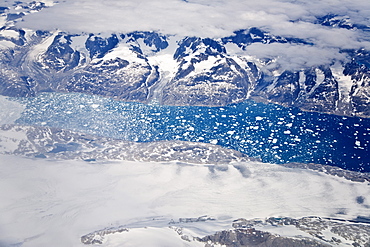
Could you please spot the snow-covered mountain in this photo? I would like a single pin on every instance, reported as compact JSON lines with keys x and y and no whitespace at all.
{"x":147,"y":66}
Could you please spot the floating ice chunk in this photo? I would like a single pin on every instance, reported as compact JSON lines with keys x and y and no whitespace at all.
{"x":213,"y":142}
{"x":287,"y":132}
{"x":289,"y":125}
{"x":358,"y":143}
{"x":231,"y":132}
{"x":259,"y":118}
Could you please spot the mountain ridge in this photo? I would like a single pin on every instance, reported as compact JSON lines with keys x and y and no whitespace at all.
{"x":205,"y":71}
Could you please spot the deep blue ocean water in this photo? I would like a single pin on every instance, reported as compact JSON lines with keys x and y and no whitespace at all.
{"x":273,"y":133}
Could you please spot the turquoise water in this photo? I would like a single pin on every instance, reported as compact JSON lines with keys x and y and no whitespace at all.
{"x":270,"y":132}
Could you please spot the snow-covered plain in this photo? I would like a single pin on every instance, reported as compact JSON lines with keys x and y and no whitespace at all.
{"x":55,"y":202}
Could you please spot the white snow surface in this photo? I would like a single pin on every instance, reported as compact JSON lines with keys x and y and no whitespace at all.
{"x":124,"y":52}
{"x":10,"y":110}
{"x":55,"y":202}
{"x":345,"y":82}
{"x":164,"y":58}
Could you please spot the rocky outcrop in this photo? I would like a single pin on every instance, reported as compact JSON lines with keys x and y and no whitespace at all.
{"x":306,"y":231}
{"x":44,"y":142}
{"x":252,"y":237}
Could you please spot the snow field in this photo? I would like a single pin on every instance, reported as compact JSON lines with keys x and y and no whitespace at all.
{"x":54,"y":203}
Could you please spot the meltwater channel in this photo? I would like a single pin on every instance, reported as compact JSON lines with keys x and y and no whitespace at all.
{"x":270,"y":132}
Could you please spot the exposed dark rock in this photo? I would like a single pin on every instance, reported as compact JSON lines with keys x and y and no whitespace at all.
{"x":60,"y":57}
{"x":252,"y":237}
{"x":98,"y":46}
{"x":359,"y":70}
{"x":309,"y":231}
{"x":151,"y":39}
{"x":245,"y":233}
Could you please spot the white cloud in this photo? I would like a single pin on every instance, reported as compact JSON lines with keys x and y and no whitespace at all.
{"x":294,"y":57}
{"x":215,"y":19}
{"x":194,"y":17}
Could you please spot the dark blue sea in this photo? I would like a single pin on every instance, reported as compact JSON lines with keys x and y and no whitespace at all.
{"x":273,"y":133}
